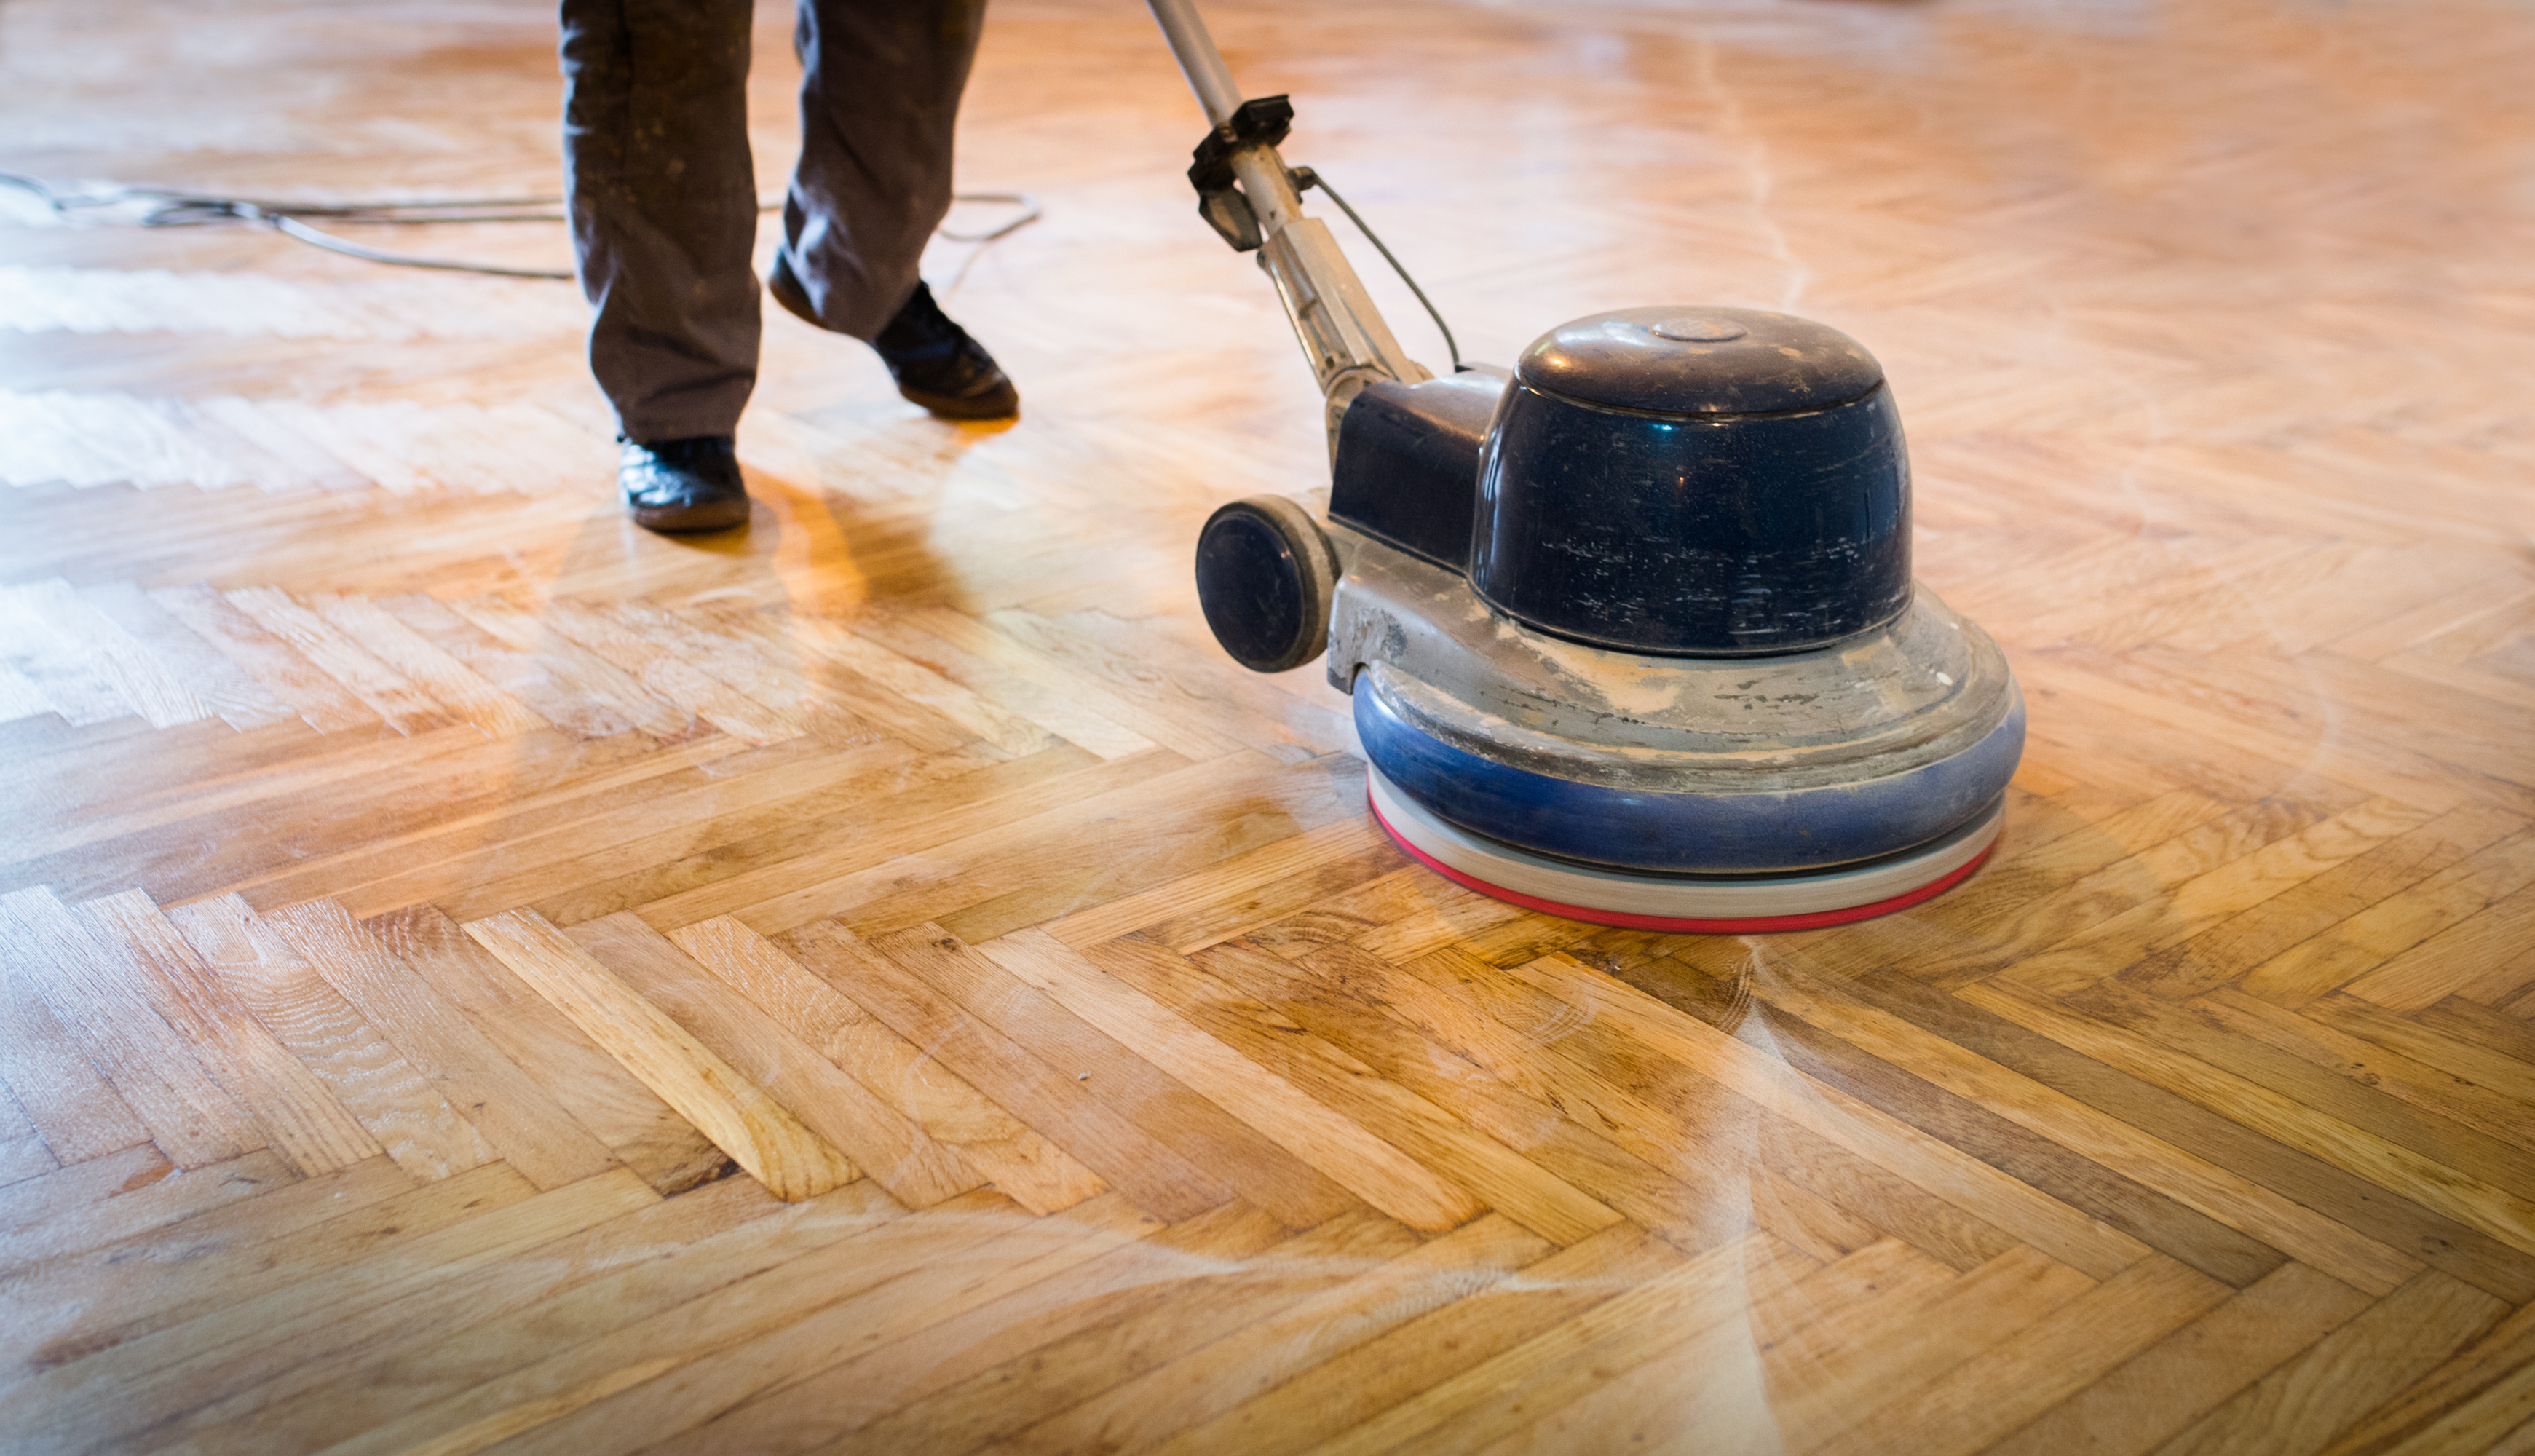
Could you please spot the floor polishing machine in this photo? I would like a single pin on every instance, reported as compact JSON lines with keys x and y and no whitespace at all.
{"x":1630,"y":628}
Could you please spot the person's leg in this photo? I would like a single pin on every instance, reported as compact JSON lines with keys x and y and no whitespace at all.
{"x":881,"y":81}
{"x":880,"y":92}
{"x":663,"y":218}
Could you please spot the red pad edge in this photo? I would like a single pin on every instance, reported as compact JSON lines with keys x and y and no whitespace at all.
{"x":1749,"y":926}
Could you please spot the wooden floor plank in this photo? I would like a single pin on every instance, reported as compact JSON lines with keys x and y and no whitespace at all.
{"x":106,"y":1200}
{"x":1012,"y":1256}
{"x":2196,"y":1367}
{"x":1066,"y":1338}
{"x":2239,"y":1202}
{"x":97,"y":998}
{"x":474,"y":1379}
{"x":1046,"y":1096}
{"x":1370,"y":1168}
{"x":881,"y":1139}
{"x":393,"y":1100}
{"x":1987,"y":1397}
{"x":2502,"y":1215}
{"x":1034,"y":1172}
{"x":524,"y":1126}
{"x":757,"y":1131}
{"x":306,"y":1122}
{"x":643,"y":1132}
{"x":1430,"y":1349}
{"x":78,"y":1112}
{"x":122,"y":1391}
{"x":2301,"y":1406}
{"x":1139,"y":1414}
{"x":257,"y":1244}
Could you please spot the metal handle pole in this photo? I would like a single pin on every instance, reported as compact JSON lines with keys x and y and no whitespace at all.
{"x":1342,"y":332}
{"x":1200,"y":61}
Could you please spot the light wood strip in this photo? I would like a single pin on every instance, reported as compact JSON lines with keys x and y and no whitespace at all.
{"x":663,"y":673}
{"x":2476,"y":959}
{"x":78,"y":1111}
{"x":1993,"y":1393}
{"x":1338,"y":1147}
{"x":2498,"y":1357}
{"x":406,"y":708}
{"x":2303,"y":1403}
{"x":916,"y":1170}
{"x":621,"y":1328}
{"x":1224,"y":888}
{"x":642,"y":1130}
{"x":146,"y":1380}
{"x":2502,"y":1215}
{"x":1680,"y":1303}
{"x":524,"y":1126}
{"x":585,"y":671}
{"x":391,"y":1099}
{"x":758,"y":1133}
{"x":324,"y":703}
{"x":95,"y":995}
{"x":981,"y":659}
{"x":1045,"y":1347}
{"x":1034,"y":1172}
{"x":447,"y":680}
{"x":134,"y":673}
{"x":2432,"y":1088}
{"x":1434,"y":1347}
{"x":1204,"y":1383}
{"x":918,"y":825}
{"x":914,"y":683}
{"x":2351,"y":948}
{"x":2237,"y":1201}
{"x":900,"y":1302}
{"x":2195,"y":1369}
{"x":549,"y":1273}
{"x":2068,"y":1235}
{"x":92,"y":1204}
{"x":61,"y":673}
{"x":981,"y":1049}
{"x":174,"y":1255}
{"x":307,"y":1122}
{"x":1635,"y":1174}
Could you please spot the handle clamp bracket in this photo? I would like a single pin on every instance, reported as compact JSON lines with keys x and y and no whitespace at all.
{"x":1261,"y":121}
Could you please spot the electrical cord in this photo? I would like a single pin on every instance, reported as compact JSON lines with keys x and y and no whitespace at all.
{"x":170,"y":207}
{"x":173,"y":208}
{"x":1305,"y":179}
{"x":1029,"y":203}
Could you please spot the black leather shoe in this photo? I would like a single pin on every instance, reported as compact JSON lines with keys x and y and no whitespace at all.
{"x":935,"y":362}
{"x":679,"y":486}
{"x":939,"y":366}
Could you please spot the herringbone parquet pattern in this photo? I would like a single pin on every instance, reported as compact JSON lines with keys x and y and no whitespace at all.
{"x":481,"y":978}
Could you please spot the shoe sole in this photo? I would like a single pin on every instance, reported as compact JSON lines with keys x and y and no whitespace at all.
{"x":1003,"y":401}
{"x":689,"y":520}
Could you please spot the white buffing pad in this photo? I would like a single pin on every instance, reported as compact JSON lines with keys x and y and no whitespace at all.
{"x":1715,"y":904}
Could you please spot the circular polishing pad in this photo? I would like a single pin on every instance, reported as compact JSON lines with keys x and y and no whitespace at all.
{"x":1695,"y":904}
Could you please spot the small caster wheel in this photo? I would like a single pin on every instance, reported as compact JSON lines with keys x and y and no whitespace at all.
{"x":1266,"y":571}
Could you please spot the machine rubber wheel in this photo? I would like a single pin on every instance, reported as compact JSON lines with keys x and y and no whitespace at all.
{"x":1265,"y":572}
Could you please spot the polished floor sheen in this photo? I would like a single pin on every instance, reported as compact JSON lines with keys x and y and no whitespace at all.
{"x":480,"y":978}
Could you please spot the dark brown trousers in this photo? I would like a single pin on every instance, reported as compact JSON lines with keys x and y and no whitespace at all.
{"x":664,"y":198}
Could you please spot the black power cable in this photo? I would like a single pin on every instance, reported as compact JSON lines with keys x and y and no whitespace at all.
{"x":1305,"y":179}
{"x":174,"y":208}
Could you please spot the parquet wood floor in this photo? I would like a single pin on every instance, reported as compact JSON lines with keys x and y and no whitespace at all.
{"x":481,"y":978}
